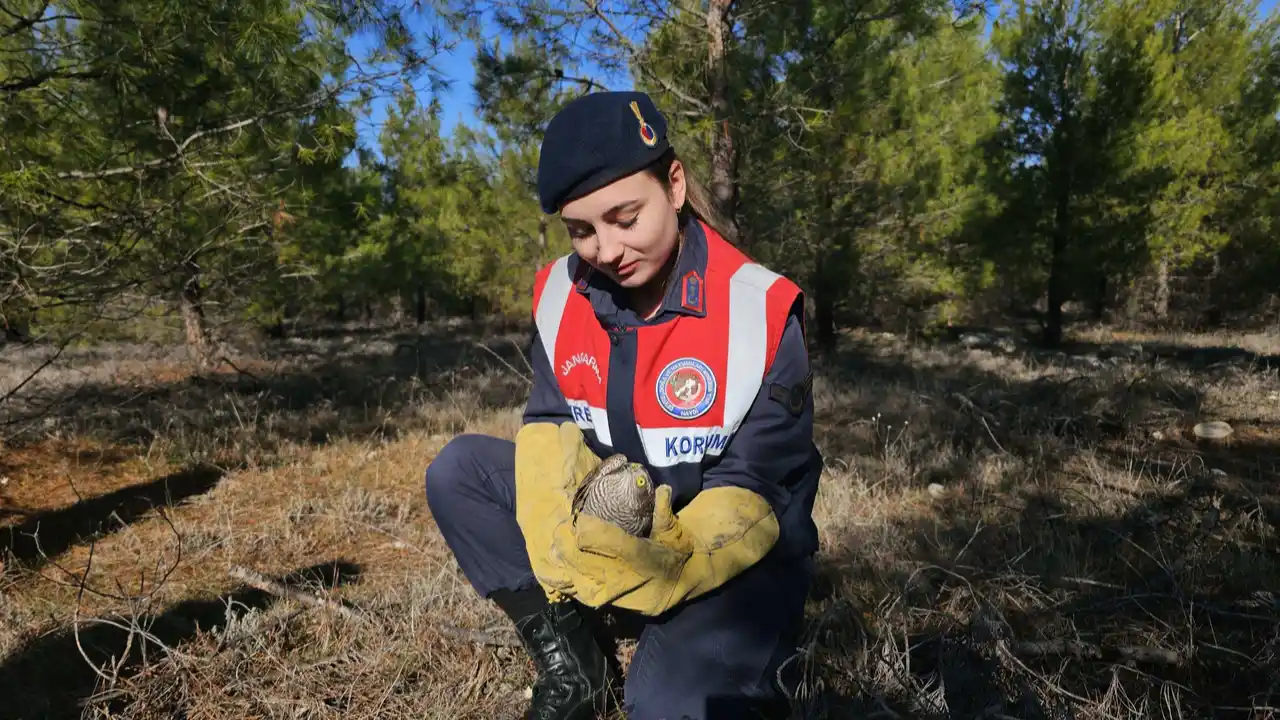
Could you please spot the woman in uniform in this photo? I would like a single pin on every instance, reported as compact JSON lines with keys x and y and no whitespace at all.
{"x":656,"y":339}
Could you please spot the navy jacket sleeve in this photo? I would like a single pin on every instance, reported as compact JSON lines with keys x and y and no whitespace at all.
{"x":546,"y":403}
{"x":773,"y":448}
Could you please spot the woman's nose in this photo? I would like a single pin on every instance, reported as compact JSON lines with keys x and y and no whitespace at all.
{"x":609,"y":251}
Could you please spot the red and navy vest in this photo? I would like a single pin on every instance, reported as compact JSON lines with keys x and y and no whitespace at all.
{"x":694,"y":378}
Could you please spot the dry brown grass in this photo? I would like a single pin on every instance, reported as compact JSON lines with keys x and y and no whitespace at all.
{"x":1254,"y":342}
{"x":1068,"y":498}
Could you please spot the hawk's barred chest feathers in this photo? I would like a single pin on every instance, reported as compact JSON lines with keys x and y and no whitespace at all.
{"x":619,"y":492}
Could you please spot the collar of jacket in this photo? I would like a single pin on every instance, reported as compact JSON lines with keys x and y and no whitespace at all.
{"x":684,"y":294}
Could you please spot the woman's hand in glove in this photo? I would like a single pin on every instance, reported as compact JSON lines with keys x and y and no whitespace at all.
{"x":720,"y":533}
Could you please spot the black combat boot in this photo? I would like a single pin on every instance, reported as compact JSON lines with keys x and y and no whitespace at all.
{"x":575,"y":679}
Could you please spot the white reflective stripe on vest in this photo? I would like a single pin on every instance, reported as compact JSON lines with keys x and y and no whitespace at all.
{"x":586,"y":416}
{"x":748,"y":340}
{"x":555,"y":296}
{"x":555,"y":293}
{"x":748,"y":349}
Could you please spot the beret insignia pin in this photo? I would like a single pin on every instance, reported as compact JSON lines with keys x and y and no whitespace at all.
{"x":647,"y":135}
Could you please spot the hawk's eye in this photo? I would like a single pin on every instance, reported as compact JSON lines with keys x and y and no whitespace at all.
{"x":640,"y":481}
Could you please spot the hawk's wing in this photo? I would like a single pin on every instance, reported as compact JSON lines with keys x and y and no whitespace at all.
{"x":580,"y":495}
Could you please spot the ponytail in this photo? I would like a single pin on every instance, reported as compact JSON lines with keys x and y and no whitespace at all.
{"x":697,"y":200}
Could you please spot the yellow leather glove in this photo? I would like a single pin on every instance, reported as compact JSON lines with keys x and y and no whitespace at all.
{"x":720,"y":533}
{"x":551,"y":462}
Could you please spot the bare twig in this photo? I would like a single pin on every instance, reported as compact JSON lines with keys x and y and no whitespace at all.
{"x":634,"y":52}
{"x":239,"y":369}
{"x":510,"y":367}
{"x":1083,"y":650}
{"x":110,"y":680}
{"x":266,"y":584}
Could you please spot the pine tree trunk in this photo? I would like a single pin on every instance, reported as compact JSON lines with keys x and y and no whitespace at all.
{"x":724,"y":189}
{"x":1061,"y":172}
{"x":194,"y":322}
{"x":1057,"y":283}
{"x":824,"y":310}
{"x":542,"y":243}
{"x":1160,"y":304}
{"x":1100,"y":299}
{"x":1133,"y":304}
{"x":540,"y":249}
{"x":420,"y":302}
{"x":1213,"y":308}
{"x":291,"y":311}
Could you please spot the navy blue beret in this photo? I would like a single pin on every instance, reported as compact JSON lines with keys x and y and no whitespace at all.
{"x":596,"y":139}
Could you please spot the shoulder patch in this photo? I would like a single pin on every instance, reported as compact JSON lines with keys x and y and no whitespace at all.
{"x":691,"y":291}
{"x":792,"y":398}
{"x":581,"y":274}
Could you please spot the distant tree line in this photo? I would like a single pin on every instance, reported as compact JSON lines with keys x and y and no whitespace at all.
{"x":912,"y":163}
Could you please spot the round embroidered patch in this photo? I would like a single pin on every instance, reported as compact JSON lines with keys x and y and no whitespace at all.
{"x":686,"y":388}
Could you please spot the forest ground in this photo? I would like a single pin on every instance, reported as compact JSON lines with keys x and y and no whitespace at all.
{"x":1131,"y":565}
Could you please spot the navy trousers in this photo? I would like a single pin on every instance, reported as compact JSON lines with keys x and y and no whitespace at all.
{"x":714,"y":657}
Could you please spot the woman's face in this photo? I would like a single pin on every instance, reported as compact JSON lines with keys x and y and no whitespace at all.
{"x":627,"y":229}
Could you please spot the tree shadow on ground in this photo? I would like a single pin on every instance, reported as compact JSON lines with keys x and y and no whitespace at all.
{"x":943,"y":412}
{"x":1194,"y":357}
{"x":1160,"y":352}
{"x":48,"y":534}
{"x":301,"y":390}
{"x":1175,"y":592}
{"x":48,"y":677}
{"x":1074,"y":520}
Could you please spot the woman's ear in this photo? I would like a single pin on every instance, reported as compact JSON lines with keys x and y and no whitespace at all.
{"x":676,"y":180}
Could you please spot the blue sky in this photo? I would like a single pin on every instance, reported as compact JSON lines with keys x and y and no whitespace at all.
{"x":458,"y":102}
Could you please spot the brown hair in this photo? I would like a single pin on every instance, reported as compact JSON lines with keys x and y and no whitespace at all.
{"x":697,"y":202}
